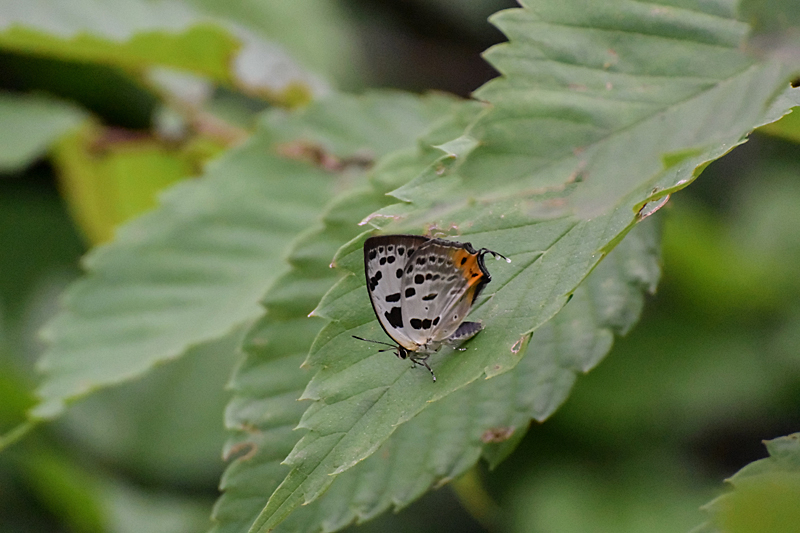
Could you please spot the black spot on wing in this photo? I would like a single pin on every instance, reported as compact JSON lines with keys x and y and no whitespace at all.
{"x":395,"y":317}
{"x":435,"y":321}
{"x":416,"y":323}
{"x":399,"y":273}
{"x":372,"y":254}
{"x":419,"y":279}
{"x":382,"y":261}
{"x":463,"y":260}
{"x":410,"y":292}
{"x":390,"y":259}
{"x":373,"y":281}
{"x":393,"y":297}
{"x":400,"y":250}
{"x":430,"y":296}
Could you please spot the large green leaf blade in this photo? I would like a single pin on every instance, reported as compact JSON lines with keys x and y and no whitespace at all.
{"x":137,"y":35}
{"x":264,"y":410}
{"x":187,"y":272}
{"x":555,"y":223}
{"x":490,"y":416}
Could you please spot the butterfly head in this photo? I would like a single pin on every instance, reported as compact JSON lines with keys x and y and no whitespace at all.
{"x":401,"y":352}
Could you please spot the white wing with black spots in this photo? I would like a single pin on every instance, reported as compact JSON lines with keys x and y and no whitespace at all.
{"x":385,"y":259}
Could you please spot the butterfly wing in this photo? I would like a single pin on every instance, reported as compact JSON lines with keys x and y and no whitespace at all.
{"x":440,"y":284}
{"x":385,"y":260}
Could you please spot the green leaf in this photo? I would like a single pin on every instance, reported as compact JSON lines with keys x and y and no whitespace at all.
{"x":319,"y":33}
{"x":136,"y":424}
{"x":770,"y":16}
{"x":264,"y":409}
{"x":571,"y":148}
{"x":137,"y":34}
{"x":788,"y":127}
{"x":488,"y":417}
{"x":29,"y":125}
{"x":109,"y":181}
{"x":188,"y":272}
{"x":765,"y":493}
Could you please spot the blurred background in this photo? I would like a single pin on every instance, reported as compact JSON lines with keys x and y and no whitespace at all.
{"x":681,"y":403}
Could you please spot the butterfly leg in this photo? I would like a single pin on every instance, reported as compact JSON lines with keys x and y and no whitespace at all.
{"x":423,"y":361}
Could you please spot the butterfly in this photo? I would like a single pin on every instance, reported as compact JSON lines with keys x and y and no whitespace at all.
{"x":421,"y":290}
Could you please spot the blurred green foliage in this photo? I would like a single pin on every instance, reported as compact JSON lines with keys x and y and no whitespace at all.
{"x":644,"y":440}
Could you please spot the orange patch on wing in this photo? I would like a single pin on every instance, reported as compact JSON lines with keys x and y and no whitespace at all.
{"x":469,"y":294}
{"x":467,"y":263}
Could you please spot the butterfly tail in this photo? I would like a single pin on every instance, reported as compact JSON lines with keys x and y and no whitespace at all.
{"x":465,"y":331}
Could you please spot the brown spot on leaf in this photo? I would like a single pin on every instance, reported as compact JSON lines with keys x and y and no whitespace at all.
{"x":498,"y":434}
{"x":242,"y":451}
{"x":517,"y":346}
{"x":110,"y":137}
{"x":318,"y":156}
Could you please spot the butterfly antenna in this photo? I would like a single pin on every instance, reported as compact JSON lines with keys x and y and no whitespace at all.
{"x":376,"y":342}
{"x":494,"y":254}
